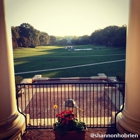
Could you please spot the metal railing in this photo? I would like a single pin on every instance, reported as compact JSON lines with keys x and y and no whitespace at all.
{"x":97,"y":103}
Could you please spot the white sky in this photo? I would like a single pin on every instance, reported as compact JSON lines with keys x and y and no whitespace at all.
{"x":67,"y":17}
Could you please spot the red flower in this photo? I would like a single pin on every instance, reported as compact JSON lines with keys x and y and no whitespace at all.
{"x":62,"y":116}
{"x":70,"y":111}
{"x":57,"y":115}
{"x":65,"y":116}
{"x":68,"y":122}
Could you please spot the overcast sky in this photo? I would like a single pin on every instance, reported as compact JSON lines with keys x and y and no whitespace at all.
{"x":67,"y":17}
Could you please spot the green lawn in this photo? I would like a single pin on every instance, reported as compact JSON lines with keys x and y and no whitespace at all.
{"x":50,"y":57}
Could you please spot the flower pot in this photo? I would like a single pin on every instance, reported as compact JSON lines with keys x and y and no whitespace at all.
{"x":72,"y":135}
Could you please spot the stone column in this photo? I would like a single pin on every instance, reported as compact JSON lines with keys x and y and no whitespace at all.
{"x":129,"y":119}
{"x":11,"y":121}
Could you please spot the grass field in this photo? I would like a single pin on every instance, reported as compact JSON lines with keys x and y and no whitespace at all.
{"x":51,"y":57}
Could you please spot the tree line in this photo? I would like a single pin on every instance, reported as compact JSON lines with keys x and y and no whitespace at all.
{"x":26,"y":35}
{"x":109,"y":36}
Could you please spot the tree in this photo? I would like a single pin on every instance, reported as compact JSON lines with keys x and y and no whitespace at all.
{"x":85,"y":39}
{"x":44,"y":38}
{"x":27,"y":26}
{"x":23,"y":42}
{"x":52,"y":40}
{"x":110,"y":36}
{"x":26,"y":35}
{"x":15,"y":36}
{"x":62,"y":42}
{"x":75,"y":41}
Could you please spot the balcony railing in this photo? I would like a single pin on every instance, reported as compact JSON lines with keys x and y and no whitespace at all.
{"x":97,"y":103}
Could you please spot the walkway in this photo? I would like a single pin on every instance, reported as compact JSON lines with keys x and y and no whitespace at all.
{"x":47,"y":134}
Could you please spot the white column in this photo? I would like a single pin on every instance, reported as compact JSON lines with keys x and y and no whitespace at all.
{"x":129,"y":118}
{"x":11,"y":121}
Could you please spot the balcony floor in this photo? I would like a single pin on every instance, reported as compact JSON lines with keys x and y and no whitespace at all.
{"x":47,"y":134}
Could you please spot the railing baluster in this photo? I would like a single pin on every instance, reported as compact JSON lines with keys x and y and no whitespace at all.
{"x":86,"y":102}
{"x":83,"y":101}
{"x":78,"y":91}
{"x":90,"y":104}
{"x":47,"y":95}
{"x":93,"y":103}
{"x":61,"y":97}
{"x":112,"y":90}
{"x":104,"y":103}
{"x":43,"y":103}
{"x":97,"y":104}
{"x":108,"y":104}
{"x":100,"y":101}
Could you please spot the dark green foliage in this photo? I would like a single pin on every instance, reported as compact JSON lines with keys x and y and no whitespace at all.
{"x":26,"y":35}
{"x":15,"y":36}
{"x":85,"y":39}
{"x":68,"y":122}
{"x":121,"y":77}
{"x":18,"y":79}
{"x":110,"y":36}
{"x":52,"y":40}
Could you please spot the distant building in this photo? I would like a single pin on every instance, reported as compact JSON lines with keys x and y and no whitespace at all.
{"x":87,"y":49}
{"x":69,"y":48}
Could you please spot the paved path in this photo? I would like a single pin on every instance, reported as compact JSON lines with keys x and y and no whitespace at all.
{"x":70,"y":67}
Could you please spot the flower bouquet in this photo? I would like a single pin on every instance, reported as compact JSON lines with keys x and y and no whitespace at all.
{"x":68,"y":124}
